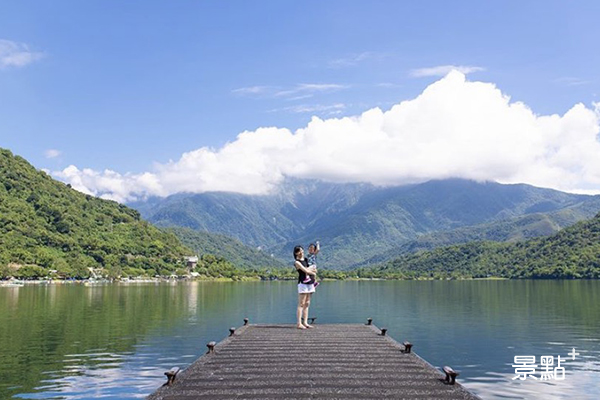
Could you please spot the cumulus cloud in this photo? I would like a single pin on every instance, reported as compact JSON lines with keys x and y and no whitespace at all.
{"x":442,"y":70}
{"x":454,"y":128}
{"x":14,"y":54}
{"x":112,"y":185}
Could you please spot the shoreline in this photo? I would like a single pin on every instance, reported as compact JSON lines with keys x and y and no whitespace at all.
{"x":99,"y":282}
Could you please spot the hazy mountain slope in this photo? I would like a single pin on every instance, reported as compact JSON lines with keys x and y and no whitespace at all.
{"x":255,"y":220}
{"x":509,"y":230}
{"x":387,"y":218}
{"x":355,"y":222}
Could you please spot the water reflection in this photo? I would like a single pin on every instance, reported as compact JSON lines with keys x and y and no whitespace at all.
{"x":116,"y":341}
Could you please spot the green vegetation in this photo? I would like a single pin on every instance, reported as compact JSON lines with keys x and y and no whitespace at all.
{"x":226,"y":247}
{"x":509,"y":230}
{"x":212,"y":267}
{"x":47,"y":226}
{"x":361,"y":223}
{"x":572,"y":253}
{"x":49,"y":229}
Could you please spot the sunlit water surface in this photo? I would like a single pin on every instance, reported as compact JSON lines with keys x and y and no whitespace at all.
{"x":116,"y":341}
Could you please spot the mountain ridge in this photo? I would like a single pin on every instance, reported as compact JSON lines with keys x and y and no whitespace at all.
{"x":510,"y":230}
{"x":356,"y":222}
{"x":571,"y":253}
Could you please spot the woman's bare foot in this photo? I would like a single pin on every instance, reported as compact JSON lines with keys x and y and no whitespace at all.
{"x":301,"y":326}
{"x":308,"y":326}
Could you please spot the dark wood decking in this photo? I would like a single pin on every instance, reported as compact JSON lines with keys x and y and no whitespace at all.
{"x":327,"y":362}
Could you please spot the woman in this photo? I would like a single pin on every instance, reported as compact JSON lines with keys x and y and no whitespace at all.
{"x":305,"y":290}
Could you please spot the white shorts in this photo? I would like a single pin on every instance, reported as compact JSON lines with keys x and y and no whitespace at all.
{"x":306,"y":288}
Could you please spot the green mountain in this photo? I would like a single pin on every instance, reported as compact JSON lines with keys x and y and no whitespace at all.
{"x":257,"y":221}
{"x":229,"y":248}
{"x":574,"y":252}
{"x":356,"y":222}
{"x":45,"y":225}
{"x":509,"y":230}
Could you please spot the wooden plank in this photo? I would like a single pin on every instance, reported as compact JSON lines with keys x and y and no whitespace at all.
{"x":335,"y":361}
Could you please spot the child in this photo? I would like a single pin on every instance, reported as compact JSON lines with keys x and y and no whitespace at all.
{"x":313,"y":250}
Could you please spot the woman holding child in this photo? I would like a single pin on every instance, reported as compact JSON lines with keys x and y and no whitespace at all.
{"x":306,"y":283}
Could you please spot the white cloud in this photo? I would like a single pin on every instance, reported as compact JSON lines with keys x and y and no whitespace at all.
{"x":52,"y":153}
{"x":455,"y":128}
{"x":299,"y":91}
{"x":389,"y":85}
{"x":305,"y":88}
{"x":443,"y":70}
{"x":251,"y":90}
{"x":332,"y":109}
{"x":572,"y":81}
{"x":14,"y":54}
{"x":354,"y":59}
{"x":110,"y":184}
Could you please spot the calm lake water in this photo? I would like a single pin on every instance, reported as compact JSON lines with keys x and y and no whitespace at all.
{"x":116,"y":341}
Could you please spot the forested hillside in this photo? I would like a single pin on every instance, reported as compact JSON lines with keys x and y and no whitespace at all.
{"x":573,"y":252}
{"x":45,"y":225}
{"x":357,"y":222}
{"x":231,"y":249}
{"x":509,"y":230}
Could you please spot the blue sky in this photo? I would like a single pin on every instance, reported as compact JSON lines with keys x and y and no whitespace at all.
{"x":128,"y":85}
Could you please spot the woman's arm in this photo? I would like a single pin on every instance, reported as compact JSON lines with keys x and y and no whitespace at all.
{"x":309,"y":271}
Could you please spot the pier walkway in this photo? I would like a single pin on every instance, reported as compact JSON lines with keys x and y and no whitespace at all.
{"x":333,"y":361}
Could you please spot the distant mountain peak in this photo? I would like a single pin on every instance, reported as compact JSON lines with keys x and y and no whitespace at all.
{"x":355,"y":221}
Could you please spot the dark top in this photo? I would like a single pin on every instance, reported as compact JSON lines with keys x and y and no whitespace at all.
{"x":302,"y":275}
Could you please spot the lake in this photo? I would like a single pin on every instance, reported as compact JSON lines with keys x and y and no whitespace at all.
{"x":115,"y":341}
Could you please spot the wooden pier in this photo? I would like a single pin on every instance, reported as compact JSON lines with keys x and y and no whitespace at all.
{"x":337,"y":361}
